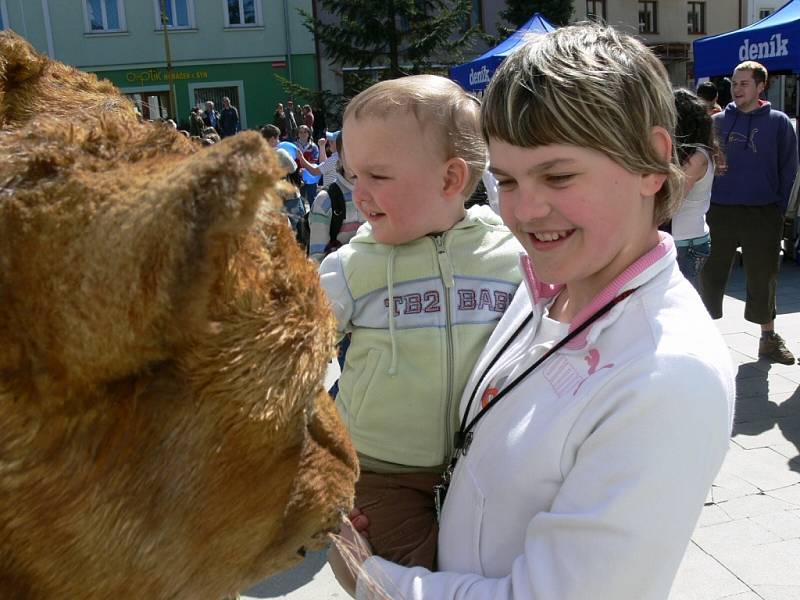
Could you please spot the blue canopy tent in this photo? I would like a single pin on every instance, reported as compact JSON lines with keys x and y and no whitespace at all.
{"x":774,"y":41}
{"x":475,"y":75}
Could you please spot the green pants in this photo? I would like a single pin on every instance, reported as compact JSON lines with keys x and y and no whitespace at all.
{"x":758,"y":230}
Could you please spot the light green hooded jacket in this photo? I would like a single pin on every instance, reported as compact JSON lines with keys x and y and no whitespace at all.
{"x":406,"y":369}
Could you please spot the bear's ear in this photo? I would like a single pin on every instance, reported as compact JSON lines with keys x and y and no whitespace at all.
{"x":104,"y":259}
{"x":18,"y":62}
{"x":33,"y":86}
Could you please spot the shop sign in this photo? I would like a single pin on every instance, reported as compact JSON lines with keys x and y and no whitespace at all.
{"x":159,"y":75}
{"x":776,"y":46}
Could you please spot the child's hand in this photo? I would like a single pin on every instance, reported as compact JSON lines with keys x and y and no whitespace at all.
{"x":321,"y":143}
{"x":359,"y":521}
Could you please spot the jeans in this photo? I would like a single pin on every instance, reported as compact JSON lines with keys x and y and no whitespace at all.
{"x":309,"y":193}
{"x":691,"y":260}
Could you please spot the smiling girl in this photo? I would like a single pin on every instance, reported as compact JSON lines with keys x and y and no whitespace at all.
{"x":596,"y":418}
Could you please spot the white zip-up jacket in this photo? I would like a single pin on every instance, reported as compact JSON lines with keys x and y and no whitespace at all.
{"x":587,"y":479}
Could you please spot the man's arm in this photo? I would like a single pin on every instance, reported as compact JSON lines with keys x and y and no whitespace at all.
{"x":787,"y":161}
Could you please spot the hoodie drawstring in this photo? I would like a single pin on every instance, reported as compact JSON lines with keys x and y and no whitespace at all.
{"x":390,"y":282}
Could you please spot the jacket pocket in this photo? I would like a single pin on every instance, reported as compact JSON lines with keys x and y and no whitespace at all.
{"x":462,"y":522}
{"x":362,"y":383}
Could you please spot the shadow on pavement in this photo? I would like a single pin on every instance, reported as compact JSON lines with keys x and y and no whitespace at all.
{"x":757,"y":414}
{"x":288,"y":581}
{"x":788,"y":299}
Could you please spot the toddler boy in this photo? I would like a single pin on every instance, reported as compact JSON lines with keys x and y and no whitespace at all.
{"x":420,"y":287}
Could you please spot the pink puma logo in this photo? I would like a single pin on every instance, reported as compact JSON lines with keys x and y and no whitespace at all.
{"x":593,"y":359}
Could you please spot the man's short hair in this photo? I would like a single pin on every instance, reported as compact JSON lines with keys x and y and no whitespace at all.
{"x":434,"y":101}
{"x":270,"y":131}
{"x":760,"y":74}
{"x":707,"y":91}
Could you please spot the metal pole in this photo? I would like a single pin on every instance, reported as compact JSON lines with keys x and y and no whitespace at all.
{"x":164,"y":21}
{"x":288,"y":38}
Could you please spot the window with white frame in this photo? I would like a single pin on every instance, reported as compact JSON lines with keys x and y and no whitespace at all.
{"x":242,"y":13}
{"x":102,"y":16}
{"x":596,"y":10}
{"x":648,"y":16}
{"x":765,"y":12}
{"x":696,"y":23}
{"x":179,"y":13}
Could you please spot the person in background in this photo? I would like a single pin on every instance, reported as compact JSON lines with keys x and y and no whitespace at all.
{"x":748,"y":204}
{"x":210,"y":136}
{"x":211,"y":116}
{"x":228,"y":119}
{"x":308,"y":118}
{"x":707,"y":92}
{"x":335,"y":198}
{"x":279,"y":120}
{"x":310,"y":153}
{"x":291,"y":122}
{"x":328,"y":167}
{"x":698,"y":154}
{"x":272,"y":134}
{"x":196,"y":123}
{"x":599,"y":413}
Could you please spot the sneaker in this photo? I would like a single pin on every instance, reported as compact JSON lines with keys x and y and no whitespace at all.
{"x":773,"y":347}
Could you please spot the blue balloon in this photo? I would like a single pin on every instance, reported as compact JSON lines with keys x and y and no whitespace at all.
{"x":309,"y":178}
{"x":290,"y":148}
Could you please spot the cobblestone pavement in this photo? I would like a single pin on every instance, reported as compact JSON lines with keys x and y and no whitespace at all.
{"x":747,"y":542}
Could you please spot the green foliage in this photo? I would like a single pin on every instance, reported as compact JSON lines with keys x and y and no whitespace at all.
{"x":392,"y":38}
{"x":372,"y":40}
{"x":517,"y":12}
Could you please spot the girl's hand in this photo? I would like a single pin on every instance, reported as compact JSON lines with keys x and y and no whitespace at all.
{"x":347,"y":555}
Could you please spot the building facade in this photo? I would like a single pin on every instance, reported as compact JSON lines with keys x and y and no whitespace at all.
{"x":218,"y":48}
{"x":668,"y":27}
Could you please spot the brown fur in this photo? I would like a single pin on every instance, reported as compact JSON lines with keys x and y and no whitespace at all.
{"x":163,"y":429}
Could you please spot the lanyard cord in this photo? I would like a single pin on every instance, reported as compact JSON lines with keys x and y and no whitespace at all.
{"x":463,"y":436}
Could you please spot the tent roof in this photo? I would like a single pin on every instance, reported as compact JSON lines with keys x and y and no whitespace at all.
{"x":474,"y":76}
{"x":770,"y":41}
{"x":536,"y":24}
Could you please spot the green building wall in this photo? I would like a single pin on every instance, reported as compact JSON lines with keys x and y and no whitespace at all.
{"x":259,"y":89}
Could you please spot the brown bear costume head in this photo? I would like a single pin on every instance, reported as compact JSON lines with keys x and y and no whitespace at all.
{"x":163,"y":429}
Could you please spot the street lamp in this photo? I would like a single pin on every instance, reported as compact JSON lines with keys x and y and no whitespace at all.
{"x":164,"y":22}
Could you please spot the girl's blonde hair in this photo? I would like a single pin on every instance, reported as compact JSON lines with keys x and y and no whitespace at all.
{"x":588,"y":86}
{"x":435,"y":102}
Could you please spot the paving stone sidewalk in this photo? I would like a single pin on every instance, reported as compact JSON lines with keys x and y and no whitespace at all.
{"x":747,"y":542}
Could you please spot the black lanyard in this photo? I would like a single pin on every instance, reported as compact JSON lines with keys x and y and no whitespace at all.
{"x":463,"y":437}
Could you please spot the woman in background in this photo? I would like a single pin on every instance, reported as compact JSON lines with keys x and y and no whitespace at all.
{"x":699,"y":155}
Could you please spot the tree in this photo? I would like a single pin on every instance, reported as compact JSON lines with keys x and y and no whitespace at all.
{"x":386,"y":39}
{"x":517,"y":12}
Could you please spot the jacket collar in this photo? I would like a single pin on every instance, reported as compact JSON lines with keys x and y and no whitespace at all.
{"x":642,"y":270}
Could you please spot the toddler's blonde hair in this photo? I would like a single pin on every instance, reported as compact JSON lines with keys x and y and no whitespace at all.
{"x":435,"y":102}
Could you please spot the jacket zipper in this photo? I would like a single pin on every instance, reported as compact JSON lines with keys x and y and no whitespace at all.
{"x":446,"y":270}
